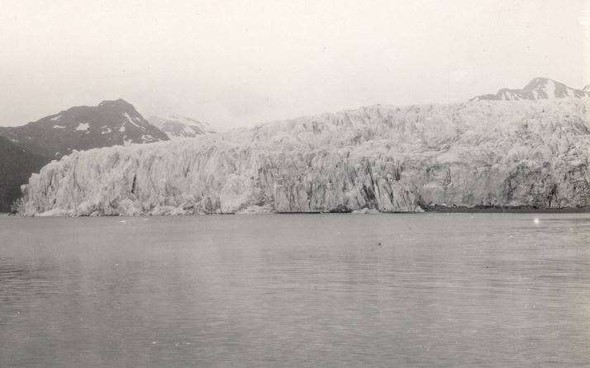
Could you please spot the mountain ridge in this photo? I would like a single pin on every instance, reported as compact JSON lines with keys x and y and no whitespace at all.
{"x":111,"y":122}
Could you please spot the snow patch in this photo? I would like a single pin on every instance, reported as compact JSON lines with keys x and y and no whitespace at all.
{"x":59,"y":127}
{"x":550,"y":89}
{"x":83,"y":126}
{"x":131,"y":120}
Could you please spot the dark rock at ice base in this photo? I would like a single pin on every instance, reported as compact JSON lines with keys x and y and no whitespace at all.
{"x":16,"y":165}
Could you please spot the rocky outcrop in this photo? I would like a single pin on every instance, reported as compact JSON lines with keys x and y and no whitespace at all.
{"x":391,"y":159}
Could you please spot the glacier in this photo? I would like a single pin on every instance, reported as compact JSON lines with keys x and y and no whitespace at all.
{"x":471,"y":155}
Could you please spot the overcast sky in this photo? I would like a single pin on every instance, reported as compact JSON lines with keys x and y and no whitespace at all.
{"x":237,"y":63}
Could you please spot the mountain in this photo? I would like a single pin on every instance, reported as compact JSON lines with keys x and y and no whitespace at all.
{"x":536,"y":89}
{"x":27,"y":148}
{"x":473,"y":155}
{"x":85,"y":127}
{"x":179,"y":127}
{"x":16,"y":166}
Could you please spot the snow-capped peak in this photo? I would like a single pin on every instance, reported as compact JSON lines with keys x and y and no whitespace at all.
{"x":179,"y":127}
{"x":537,"y":89}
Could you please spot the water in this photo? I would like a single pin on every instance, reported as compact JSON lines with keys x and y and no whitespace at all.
{"x":296,"y":290}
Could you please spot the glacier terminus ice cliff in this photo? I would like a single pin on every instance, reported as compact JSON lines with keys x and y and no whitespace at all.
{"x":472,"y":155}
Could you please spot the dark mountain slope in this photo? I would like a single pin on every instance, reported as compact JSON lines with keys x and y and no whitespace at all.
{"x":16,"y":166}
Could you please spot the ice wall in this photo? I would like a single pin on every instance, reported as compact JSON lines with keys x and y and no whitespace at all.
{"x":393,"y":159}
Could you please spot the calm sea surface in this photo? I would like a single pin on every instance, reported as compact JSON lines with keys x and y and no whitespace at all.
{"x":467,"y":290}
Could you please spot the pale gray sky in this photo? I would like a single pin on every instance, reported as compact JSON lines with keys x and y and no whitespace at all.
{"x":237,"y":63}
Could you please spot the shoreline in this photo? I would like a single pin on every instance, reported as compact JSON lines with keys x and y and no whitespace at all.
{"x":436,"y":209}
{"x":494,"y":209}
